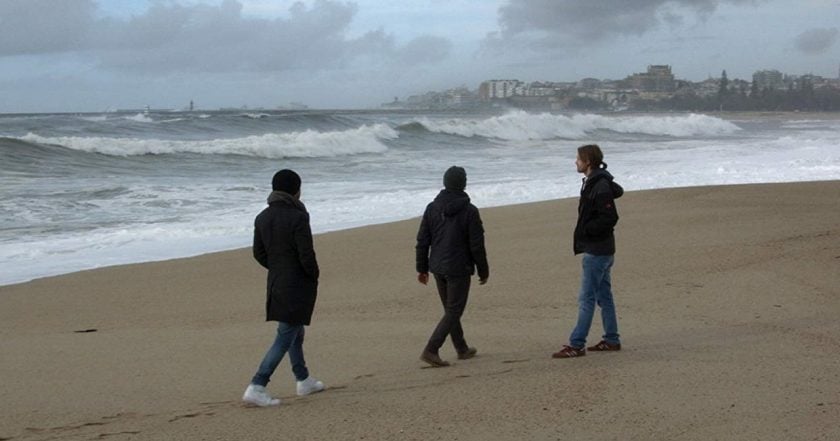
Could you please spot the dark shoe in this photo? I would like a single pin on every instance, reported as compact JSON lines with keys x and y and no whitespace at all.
{"x":433,"y":359}
{"x":469,"y":353}
{"x":569,"y":352}
{"x":604,"y":346}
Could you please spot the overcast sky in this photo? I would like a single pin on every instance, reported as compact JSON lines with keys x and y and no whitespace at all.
{"x":96,"y":55}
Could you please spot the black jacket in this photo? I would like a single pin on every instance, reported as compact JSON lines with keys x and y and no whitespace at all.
{"x":597,"y":215}
{"x":452,"y":229}
{"x":283,"y":244}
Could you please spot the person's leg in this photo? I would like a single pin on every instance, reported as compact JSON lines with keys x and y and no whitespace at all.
{"x":605,"y":301}
{"x":442,"y":329}
{"x":305,"y":383}
{"x":296,"y":356}
{"x":586,"y":301}
{"x":285,"y":336}
{"x":457,"y":294}
{"x":453,"y":292}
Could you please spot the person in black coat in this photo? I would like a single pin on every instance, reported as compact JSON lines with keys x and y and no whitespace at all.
{"x":283,"y":245}
{"x":595,"y":239}
{"x":450,"y":244}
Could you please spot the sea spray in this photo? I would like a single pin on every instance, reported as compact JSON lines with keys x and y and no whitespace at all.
{"x":520,"y":126}
{"x":305,"y":144}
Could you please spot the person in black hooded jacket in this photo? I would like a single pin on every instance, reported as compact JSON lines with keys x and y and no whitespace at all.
{"x":450,"y":244}
{"x":594,"y":237}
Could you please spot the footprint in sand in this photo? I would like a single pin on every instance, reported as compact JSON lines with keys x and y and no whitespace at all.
{"x":106,"y":435}
{"x":191,"y":415}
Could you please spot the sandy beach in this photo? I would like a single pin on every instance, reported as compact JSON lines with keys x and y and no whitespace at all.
{"x":728,"y":302}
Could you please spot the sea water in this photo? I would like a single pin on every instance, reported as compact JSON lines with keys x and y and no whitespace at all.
{"x":80,"y":191}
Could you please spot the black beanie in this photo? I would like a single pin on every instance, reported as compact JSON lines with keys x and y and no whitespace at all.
{"x":455,"y":178}
{"x":287,"y":181}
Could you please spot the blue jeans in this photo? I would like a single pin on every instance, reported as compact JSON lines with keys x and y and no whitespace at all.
{"x":289,"y":339}
{"x":595,"y":288}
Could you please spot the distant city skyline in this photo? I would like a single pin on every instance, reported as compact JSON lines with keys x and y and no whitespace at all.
{"x":656,"y":89}
{"x":89,"y":55}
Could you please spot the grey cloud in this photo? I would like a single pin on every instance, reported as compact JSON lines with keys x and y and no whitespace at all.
{"x":420,"y":50}
{"x":425,"y":49}
{"x":816,"y":41}
{"x":218,"y":39}
{"x":174,"y":38}
{"x":44,"y":26}
{"x":587,"y":20}
{"x":562,"y":23}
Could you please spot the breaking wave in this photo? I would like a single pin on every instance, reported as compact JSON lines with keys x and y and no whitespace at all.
{"x":520,"y":125}
{"x":305,"y":144}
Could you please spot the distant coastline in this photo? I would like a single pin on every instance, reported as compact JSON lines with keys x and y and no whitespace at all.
{"x":657,"y":89}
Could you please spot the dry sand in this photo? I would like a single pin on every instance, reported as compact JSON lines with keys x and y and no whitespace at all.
{"x":728,"y":302}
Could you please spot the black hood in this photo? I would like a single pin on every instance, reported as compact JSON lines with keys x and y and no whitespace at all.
{"x":601,"y":173}
{"x":453,"y":201}
{"x":281,"y":197}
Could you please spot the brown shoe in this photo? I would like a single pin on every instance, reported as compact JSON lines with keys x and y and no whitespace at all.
{"x":433,"y":359}
{"x":569,"y":352}
{"x":469,"y":353}
{"x":604,"y":346}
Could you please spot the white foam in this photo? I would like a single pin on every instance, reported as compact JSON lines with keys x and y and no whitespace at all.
{"x":73,"y":252}
{"x":140,"y":117}
{"x":306,"y":144}
{"x":199,"y":215}
{"x":97,"y":118}
{"x":256,"y":115}
{"x":519,"y":125}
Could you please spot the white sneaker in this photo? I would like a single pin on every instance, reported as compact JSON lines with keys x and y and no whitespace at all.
{"x":309,"y":386}
{"x":258,"y":396}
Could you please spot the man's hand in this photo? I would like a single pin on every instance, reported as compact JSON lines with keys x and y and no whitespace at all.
{"x":423,"y":278}
{"x":483,"y":281}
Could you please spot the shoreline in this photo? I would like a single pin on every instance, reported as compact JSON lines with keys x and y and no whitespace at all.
{"x":225,"y":250}
{"x":727,"y":299}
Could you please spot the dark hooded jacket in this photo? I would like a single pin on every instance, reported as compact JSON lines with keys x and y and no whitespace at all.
{"x":283,"y":244}
{"x":597,"y":214}
{"x":451,"y":237}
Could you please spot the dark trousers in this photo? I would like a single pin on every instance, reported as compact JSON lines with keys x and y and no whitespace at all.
{"x":453,"y":291}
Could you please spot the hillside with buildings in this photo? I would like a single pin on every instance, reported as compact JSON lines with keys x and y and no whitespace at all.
{"x":655,"y":89}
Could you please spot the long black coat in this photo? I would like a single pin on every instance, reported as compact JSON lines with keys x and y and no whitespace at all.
{"x":597,"y":215}
{"x":451,"y":237}
{"x":283,"y":244}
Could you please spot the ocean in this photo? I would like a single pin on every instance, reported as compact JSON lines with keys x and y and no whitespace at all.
{"x":80,"y":191}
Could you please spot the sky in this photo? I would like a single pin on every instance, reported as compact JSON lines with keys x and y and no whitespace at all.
{"x":100,"y":55}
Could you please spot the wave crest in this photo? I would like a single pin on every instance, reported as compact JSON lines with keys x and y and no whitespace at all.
{"x":520,"y":126}
{"x":306,"y":144}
